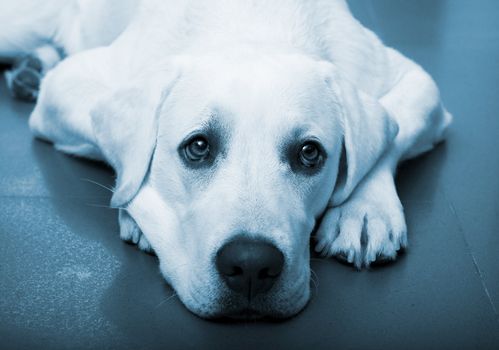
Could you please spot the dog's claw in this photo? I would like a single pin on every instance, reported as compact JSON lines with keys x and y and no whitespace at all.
{"x":130,"y":232}
{"x":342,"y":258}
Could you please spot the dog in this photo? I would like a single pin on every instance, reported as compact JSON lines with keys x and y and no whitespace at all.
{"x":236,"y":130}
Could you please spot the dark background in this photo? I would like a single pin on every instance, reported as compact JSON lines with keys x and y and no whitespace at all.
{"x":68,"y":281}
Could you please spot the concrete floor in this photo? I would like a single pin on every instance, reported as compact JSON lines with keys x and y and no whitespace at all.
{"x":68,"y":281}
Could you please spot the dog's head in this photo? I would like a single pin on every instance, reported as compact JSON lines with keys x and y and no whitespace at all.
{"x":227,"y":162}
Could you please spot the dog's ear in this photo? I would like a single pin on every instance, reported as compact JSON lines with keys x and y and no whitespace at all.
{"x":125,"y":128}
{"x":368,"y":131}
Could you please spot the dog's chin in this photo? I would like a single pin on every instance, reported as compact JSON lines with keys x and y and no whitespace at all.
{"x":245,"y":314}
{"x":264,"y":308}
{"x":252,"y":314}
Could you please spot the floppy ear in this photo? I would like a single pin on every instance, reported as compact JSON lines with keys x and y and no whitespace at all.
{"x":368,"y":131}
{"x":125,"y":129}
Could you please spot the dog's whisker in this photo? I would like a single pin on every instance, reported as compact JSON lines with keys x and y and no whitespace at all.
{"x":99,"y":205}
{"x":315,"y":280}
{"x":103,"y":206}
{"x":98,"y":184}
{"x":166,"y":299}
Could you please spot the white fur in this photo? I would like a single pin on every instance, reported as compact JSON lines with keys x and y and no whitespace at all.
{"x":259,"y":71}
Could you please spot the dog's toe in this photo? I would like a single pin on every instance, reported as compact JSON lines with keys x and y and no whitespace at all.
{"x":327,"y":232}
{"x":378,"y":244}
{"x":339,"y":235}
{"x":131,"y":233}
{"x":145,"y":245}
{"x":386,"y":234}
{"x":349,"y":241}
{"x":129,"y":230}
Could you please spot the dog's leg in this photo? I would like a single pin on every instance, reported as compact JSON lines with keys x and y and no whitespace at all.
{"x":62,"y":115}
{"x":370,"y":225}
{"x":35,"y":38}
{"x":130,"y":232}
{"x":67,"y":94}
{"x":416,"y":105}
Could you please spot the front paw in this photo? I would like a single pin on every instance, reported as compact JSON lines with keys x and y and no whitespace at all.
{"x":130,"y":232}
{"x":363,"y":230}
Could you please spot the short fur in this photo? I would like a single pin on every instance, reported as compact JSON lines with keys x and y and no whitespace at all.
{"x":127,"y":81}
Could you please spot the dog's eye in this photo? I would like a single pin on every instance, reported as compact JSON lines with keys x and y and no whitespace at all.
{"x":310,"y":155}
{"x":197,"y":150}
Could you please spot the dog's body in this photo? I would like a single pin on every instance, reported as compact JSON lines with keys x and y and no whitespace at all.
{"x":233,"y":127}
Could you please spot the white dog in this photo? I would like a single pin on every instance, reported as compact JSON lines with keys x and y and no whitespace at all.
{"x":234,"y":127}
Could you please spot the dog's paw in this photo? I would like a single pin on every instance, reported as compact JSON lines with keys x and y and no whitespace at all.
{"x":368,"y":227}
{"x":130,"y":232}
{"x":23,"y":80}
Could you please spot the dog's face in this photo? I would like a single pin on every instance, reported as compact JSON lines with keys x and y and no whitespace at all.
{"x":243,"y":160}
{"x":246,"y":160}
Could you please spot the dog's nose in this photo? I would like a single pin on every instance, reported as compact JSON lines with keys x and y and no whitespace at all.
{"x":249,"y":266}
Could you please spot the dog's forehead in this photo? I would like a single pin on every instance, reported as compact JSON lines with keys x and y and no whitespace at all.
{"x":259,"y":93}
{"x":252,"y":74}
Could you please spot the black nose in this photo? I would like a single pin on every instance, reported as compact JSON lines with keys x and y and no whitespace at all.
{"x":249,"y":266}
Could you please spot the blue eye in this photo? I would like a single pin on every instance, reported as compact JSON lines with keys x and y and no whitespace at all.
{"x":197,"y":150}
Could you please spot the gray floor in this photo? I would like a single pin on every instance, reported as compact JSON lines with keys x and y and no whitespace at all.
{"x":67,"y":281}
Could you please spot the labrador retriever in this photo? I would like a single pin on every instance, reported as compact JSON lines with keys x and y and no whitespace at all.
{"x":236,"y":129}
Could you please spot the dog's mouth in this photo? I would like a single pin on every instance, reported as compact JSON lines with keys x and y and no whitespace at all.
{"x":276,"y":305}
{"x":245,"y":314}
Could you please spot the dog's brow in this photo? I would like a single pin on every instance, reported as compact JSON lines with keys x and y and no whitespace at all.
{"x":296,"y":136}
{"x":216,"y":124}
{"x":300,"y":133}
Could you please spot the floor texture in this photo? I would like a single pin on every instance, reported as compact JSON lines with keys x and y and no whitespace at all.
{"x":68,"y":281}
